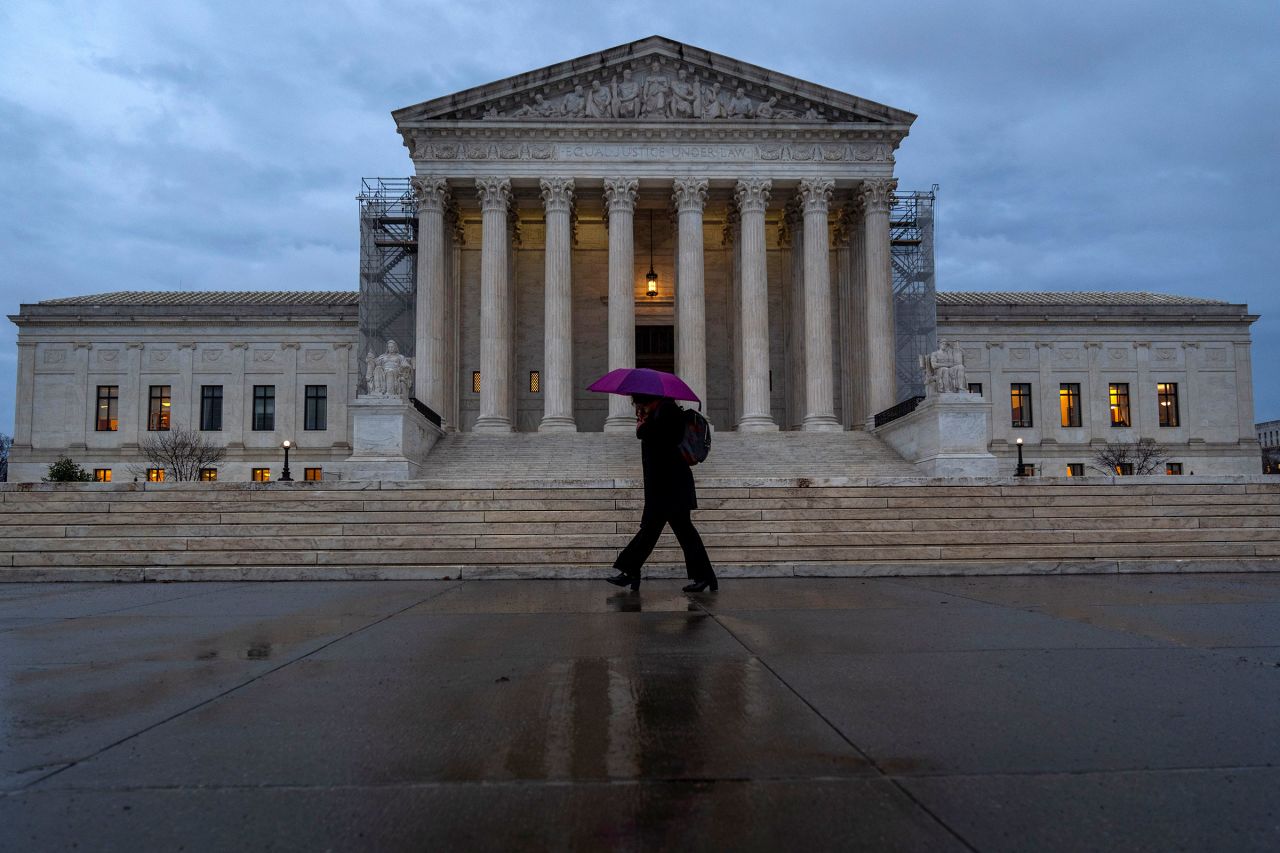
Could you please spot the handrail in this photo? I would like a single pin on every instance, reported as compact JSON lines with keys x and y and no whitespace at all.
{"x":892,"y":413}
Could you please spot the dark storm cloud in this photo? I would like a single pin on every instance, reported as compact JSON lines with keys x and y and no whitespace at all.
{"x":219,"y":145}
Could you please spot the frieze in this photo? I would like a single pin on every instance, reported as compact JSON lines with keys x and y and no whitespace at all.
{"x":863,"y":151}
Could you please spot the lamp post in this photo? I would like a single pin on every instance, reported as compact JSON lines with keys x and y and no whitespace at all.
{"x":284,"y":475}
{"x":1020,"y":472}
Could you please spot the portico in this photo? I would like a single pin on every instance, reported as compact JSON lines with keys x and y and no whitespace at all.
{"x":535,"y":196}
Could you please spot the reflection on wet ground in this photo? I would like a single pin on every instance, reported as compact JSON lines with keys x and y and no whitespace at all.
{"x":923,"y":713}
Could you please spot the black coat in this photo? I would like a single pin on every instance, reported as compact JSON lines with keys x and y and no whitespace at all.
{"x":668,"y":482}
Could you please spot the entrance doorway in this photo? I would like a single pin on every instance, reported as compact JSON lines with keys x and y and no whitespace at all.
{"x":656,"y":347}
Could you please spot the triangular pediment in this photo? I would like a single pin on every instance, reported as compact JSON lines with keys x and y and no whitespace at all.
{"x":653,"y":80}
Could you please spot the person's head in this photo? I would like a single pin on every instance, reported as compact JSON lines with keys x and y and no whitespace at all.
{"x":645,"y":401}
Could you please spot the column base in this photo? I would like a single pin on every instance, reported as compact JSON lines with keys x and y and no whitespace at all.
{"x":557,"y":423}
{"x":615,"y":423}
{"x":821,"y":423}
{"x":492,"y":424}
{"x":757,"y":423}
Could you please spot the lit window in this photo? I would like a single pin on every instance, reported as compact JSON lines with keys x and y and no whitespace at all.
{"x":1069,"y":402}
{"x":158,"y":413}
{"x":313,"y":474}
{"x":975,"y":388}
{"x":1167,"y":394}
{"x":261,"y":475}
{"x":208,"y":475}
{"x":108,"y":400}
{"x":1119,"y":404}
{"x":316,"y":414}
{"x":475,"y":382}
{"x":264,"y":407}
{"x":1125,"y":469}
{"x":1173,"y":468}
{"x":102,"y":475}
{"x":155,"y":475}
{"x":1075,"y":469}
{"x":1020,"y":403}
{"x":535,"y":381}
{"x":1029,"y":470}
{"x":211,"y":407}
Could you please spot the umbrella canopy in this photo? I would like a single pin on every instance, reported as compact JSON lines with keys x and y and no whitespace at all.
{"x":642,"y":380}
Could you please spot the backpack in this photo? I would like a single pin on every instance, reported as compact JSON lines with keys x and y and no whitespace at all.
{"x":696,"y":443}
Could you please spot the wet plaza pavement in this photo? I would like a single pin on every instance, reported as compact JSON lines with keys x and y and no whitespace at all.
{"x":1135,"y":712}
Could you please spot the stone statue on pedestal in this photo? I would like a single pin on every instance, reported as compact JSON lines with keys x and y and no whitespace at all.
{"x":389,"y":374}
{"x":944,"y":370}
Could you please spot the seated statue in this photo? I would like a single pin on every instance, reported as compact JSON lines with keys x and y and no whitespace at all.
{"x":944,"y":370}
{"x":389,"y":374}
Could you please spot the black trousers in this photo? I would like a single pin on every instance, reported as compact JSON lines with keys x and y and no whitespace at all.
{"x":696,"y":562}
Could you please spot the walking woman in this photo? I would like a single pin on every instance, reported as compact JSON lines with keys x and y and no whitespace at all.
{"x":669,"y":496}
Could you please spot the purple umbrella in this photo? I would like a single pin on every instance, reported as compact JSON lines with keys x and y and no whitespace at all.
{"x":642,"y":380}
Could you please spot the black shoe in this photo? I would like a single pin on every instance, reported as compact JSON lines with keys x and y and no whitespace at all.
{"x":699,"y":586}
{"x":624,"y":579}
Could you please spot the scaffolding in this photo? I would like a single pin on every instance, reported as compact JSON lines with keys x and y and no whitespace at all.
{"x":915,"y":317}
{"x":388,"y":265}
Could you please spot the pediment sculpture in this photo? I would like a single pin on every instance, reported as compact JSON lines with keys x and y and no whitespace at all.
{"x":659,"y":91}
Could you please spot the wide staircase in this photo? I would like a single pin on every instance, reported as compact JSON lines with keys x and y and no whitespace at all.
{"x":482,"y":527}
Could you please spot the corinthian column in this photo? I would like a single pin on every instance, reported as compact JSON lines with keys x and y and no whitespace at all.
{"x":853,"y":309}
{"x":431,"y":303}
{"x":691,"y":324}
{"x":495,"y":307}
{"x":620,"y":198}
{"x":752,"y":197}
{"x":819,"y":407}
{"x":881,"y":378}
{"x":557,"y":383}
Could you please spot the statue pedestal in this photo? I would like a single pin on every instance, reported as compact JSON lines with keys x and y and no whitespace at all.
{"x":390,"y":441}
{"x":946,"y":436}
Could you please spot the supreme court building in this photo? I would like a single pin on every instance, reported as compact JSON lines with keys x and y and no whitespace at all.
{"x":656,"y":205}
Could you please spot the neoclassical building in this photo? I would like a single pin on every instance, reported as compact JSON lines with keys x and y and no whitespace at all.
{"x":649,"y":205}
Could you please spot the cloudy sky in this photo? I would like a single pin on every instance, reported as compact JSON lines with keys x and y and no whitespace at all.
{"x":218,"y":145}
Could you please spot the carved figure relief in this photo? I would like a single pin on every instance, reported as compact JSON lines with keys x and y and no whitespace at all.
{"x":389,"y":374}
{"x":661,"y":90}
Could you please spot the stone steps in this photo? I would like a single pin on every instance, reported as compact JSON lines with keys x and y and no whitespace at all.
{"x":525,"y":528}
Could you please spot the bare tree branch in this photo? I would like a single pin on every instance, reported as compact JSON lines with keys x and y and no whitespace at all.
{"x":182,"y":453}
{"x":1144,"y":456}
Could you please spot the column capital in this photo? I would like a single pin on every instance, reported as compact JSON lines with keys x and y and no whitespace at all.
{"x":557,"y":194}
{"x":753,"y":194}
{"x":620,"y":194}
{"x":689,"y":194}
{"x":431,"y":191}
{"x":877,"y":194}
{"x":815,"y":194}
{"x":494,"y":193}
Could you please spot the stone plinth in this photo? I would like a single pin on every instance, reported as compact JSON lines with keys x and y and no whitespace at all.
{"x":946,"y":436}
{"x":391,"y":440}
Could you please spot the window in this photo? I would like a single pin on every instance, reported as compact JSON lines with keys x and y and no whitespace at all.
{"x":475,"y":382}
{"x":535,"y":381}
{"x":1028,"y":470}
{"x":1069,"y":402}
{"x":155,"y":475}
{"x":264,"y":407}
{"x":209,"y":475}
{"x":261,"y":475}
{"x":1173,"y":468}
{"x":211,"y":407}
{"x":1125,"y":469}
{"x":108,"y":401}
{"x":158,"y":412}
{"x":975,"y":388}
{"x":1020,"y":403}
{"x":313,"y":474}
{"x":102,"y":475}
{"x":1167,"y":393}
{"x":1075,"y":469}
{"x":1119,"y":404}
{"x":316,"y":415}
